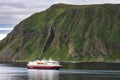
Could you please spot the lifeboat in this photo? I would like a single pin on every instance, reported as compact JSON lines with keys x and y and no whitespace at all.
{"x":43,"y":64}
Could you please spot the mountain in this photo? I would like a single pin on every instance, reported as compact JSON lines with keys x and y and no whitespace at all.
{"x":66,"y":33}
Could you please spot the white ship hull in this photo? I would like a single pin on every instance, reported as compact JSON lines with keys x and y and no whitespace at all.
{"x":43,"y":67}
{"x":44,"y":64}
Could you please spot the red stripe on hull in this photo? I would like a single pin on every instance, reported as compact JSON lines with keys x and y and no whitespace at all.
{"x":44,"y":67}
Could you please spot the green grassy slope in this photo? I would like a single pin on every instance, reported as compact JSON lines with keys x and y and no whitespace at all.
{"x":66,"y":33}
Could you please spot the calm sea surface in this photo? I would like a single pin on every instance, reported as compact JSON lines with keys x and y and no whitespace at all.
{"x":79,"y":71}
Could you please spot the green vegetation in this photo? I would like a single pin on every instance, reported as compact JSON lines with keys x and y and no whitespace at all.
{"x":66,"y":33}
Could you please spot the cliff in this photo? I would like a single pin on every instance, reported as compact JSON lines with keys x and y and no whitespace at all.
{"x":66,"y":32}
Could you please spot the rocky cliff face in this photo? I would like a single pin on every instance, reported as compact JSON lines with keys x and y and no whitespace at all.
{"x":66,"y":32}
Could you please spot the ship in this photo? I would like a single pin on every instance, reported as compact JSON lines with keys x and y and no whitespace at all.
{"x":44,"y":64}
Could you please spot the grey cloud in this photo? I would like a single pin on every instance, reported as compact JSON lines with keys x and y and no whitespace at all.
{"x":12,"y":12}
{"x":5,"y":31}
{"x":7,"y":25}
{"x":8,"y":19}
{"x":12,"y":5}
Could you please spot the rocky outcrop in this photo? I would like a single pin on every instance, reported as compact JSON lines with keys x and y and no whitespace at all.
{"x":66,"y":32}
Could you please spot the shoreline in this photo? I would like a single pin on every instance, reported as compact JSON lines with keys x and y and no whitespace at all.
{"x":73,"y":62}
{"x":76,"y":62}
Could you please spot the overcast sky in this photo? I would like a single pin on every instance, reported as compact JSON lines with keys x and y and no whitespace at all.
{"x":14,"y":11}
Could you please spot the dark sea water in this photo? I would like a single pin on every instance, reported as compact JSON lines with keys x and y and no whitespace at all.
{"x":69,"y":71}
